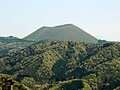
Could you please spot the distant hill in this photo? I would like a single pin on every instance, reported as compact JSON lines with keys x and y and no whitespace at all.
{"x":12,"y":39}
{"x":12,"y":44}
{"x":60,"y":33}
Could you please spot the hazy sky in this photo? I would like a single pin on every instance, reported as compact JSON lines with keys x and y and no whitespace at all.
{"x":101,"y":18}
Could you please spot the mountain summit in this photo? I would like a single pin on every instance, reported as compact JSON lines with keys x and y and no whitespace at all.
{"x":62,"y":32}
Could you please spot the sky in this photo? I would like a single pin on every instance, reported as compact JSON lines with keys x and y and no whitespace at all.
{"x":101,"y":18}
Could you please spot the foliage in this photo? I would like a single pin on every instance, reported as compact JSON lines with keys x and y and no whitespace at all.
{"x":12,"y":44}
{"x":28,"y":81}
{"x":7,"y":83}
{"x":61,"y":65}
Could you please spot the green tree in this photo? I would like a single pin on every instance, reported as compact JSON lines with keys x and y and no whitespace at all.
{"x":28,"y":81}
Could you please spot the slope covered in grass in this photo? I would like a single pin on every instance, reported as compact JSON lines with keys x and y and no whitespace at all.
{"x":62,"y":32}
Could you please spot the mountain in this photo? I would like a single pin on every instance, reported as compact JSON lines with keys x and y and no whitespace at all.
{"x":57,"y":65}
{"x":60,"y":33}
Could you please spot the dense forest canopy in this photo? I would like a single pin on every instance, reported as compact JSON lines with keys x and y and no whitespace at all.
{"x":67,"y":65}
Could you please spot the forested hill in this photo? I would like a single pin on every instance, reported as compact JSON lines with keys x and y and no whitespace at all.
{"x":66,"y":65}
{"x":12,"y":39}
{"x":12,"y":44}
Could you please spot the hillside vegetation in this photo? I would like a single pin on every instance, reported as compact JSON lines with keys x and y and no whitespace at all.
{"x":65,"y":65}
{"x":12,"y":44}
{"x":7,"y":83}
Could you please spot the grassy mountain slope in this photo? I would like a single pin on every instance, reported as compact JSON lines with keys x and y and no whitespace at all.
{"x":63,"y":32}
